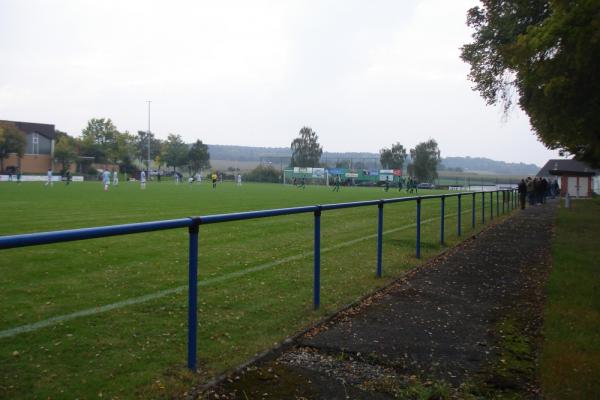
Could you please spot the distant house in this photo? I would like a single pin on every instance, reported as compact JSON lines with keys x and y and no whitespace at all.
{"x":574,"y":177}
{"x":39,"y":150}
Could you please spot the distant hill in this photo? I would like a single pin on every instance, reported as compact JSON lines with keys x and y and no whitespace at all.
{"x":479,"y":164}
{"x":281,"y":155}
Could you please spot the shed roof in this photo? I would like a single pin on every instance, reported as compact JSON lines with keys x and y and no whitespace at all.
{"x":552,"y":167}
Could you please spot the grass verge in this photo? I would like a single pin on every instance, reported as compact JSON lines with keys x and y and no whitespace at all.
{"x":570,"y":358}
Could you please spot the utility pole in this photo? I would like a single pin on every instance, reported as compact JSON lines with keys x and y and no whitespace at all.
{"x":148,"y":134}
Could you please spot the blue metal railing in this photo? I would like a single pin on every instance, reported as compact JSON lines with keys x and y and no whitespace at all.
{"x":193,"y":225}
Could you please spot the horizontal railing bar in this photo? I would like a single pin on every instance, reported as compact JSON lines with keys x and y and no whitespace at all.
{"x":32,"y":239}
{"x":212,"y":219}
{"x":337,"y":206}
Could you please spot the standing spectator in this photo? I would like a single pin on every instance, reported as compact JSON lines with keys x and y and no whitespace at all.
{"x":538,"y":190}
{"x":555,"y":189}
{"x":545,"y":189}
{"x":530,"y":191}
{"x":522,"y":189}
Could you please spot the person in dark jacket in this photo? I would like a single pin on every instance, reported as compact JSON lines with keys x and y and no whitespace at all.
{"x":530,"y":191}
{"x":522,"y":189}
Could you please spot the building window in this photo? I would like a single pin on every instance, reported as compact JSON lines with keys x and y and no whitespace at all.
{"x":35,"y":144}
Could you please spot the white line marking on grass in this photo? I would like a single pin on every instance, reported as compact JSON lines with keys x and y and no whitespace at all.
{"x":152,"y":296}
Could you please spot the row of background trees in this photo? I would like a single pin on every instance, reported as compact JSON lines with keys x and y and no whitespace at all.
{"x":102,"y":143}
{"x":423,"y":163}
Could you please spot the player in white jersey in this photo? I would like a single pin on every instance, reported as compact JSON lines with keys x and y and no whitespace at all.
{"x":115,"y":179}
{"x":143,"y":179}
{"x":106,"y":179}
{"x":49,"y":181}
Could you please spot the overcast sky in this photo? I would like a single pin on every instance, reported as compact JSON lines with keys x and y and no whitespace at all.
{"x":363,"y":74}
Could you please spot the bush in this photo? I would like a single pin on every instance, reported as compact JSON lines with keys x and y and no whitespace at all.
{"x":262,"y":173}
{"x":91,"y":171}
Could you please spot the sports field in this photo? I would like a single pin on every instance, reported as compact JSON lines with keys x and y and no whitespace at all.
{"x":106,"y":318}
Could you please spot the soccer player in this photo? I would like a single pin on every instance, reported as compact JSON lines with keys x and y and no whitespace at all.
{"x":239,"y":180}
{"x":143,"y":180}
{"x":18,"y":175}
{"x":115,"y":175}
{"x":106,"y":179}
{"x":214,"y":180}
{"x":67,"y":177}
{"x":49,"y":181}
{"x":336,"y":188}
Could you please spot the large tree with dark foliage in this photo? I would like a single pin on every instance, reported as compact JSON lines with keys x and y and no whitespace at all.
{"x":65,"y":150}
{"x":306,"y":150}
{"x":425,"y":160}
{"x":12,"y":140}
{"x":393,"y":158}
{"x":198,"y":157}
{"x":548,"y":52}
{"x":176,"y":151}
{"x":99,"y":140}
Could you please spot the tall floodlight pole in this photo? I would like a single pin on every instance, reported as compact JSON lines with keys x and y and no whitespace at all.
{"x":149,"y":101}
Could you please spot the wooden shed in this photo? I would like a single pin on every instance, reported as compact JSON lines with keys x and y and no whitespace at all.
{"x":574,"y":177}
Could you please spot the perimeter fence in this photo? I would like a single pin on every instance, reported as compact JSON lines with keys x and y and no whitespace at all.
{"x":506,"y":204}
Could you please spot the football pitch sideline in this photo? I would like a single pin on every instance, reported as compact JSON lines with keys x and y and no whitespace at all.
{"x":108,"y":316}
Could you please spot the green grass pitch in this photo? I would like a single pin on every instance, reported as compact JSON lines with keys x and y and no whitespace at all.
{"x":255,"y":280}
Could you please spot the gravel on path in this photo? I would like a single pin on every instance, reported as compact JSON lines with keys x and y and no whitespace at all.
{"x":438,"y":323}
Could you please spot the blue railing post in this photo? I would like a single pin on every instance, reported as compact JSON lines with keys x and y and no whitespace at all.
{"x":497,"y":203}
{"x":379,"y":237}
{"x":473,"y":214}
{"x":458,"y":227}
{"x":443,"y":199}
{"x":193,"y":295}
{"x":418,"y":227}
{"x":491,"y":206}
{"x":317,"y":260}
{"x":483,"y":207}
